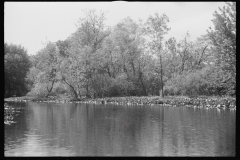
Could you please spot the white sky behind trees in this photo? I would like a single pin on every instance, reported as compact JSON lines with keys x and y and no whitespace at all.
{"x":31,"y":24}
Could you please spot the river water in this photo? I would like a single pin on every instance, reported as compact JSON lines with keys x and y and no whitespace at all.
{"x":51,"y":129}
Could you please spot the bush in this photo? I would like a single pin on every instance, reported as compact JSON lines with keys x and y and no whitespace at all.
{"x":207,"y":81}
{"x":60,"y":88}
{"x":39,"y":90}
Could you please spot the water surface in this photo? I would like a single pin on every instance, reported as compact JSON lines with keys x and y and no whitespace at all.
{"x":51,"y":129}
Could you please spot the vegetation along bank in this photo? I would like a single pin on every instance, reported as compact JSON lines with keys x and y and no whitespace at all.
{"x":199,"y":102}
{"x":131,"y":60}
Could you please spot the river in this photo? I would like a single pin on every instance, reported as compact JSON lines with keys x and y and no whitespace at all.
{"x":51,"y":129}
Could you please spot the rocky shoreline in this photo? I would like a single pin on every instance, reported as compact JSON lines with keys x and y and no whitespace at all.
{"x":174,"y":101}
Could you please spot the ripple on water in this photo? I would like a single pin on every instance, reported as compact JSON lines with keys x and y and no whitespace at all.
{"x":124,"y":130}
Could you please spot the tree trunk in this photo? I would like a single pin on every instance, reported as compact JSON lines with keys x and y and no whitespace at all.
{"x":79,"y":94}
{"x":72,"y":88}
{"x":161,"y":78}
{"x":143,"y":87}
{"x":141,"y":80}
{"x":87,"y":90}
{"x":182,"y":68}
{"x":49,"y":90}
{"x":183,"y":59}
{"x":132,"y":64}
{"x":200,"y":59}
{"x":74,"y":92}
{"x":109,"y":72}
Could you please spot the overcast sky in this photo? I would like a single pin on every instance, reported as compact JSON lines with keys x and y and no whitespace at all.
{"x":32,"y":23}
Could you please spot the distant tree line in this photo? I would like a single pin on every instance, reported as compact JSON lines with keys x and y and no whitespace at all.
{"x":133,"y":59}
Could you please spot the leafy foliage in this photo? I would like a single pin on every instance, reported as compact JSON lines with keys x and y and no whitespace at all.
{"x":45,"y":72}
{"x":16,"y":66}
{"x":134,"y":59}
{"x":156,"y":28}
{"x":223,"y":37}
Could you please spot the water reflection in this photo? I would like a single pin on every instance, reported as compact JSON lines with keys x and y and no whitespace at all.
{"x":48,"y":129}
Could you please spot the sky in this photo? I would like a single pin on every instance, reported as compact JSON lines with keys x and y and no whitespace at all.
{"x":31,"y":24}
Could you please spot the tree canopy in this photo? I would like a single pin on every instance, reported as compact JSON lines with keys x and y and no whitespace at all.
{"x":16,"y":66}
{"x":129,"y":59}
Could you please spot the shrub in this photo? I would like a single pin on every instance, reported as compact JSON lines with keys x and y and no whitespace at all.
{"x":39,"y":90}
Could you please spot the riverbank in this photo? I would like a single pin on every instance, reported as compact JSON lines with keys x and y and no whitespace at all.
{"x":175,"y":101}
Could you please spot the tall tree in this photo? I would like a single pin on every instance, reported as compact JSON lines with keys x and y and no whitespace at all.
{"x":85,"y":45}
{"x":16,"y":66}
{"x":156,"y":28}
{"x":223,"y":37}
{"x":46,"y":68}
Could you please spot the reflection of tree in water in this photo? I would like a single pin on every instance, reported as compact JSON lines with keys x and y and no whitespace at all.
{"x":51,"y":121}
{"x":225,"y":135}
{"x":201,"y":130}
{"x":16,"y":132}
{"x":113,"y":129}
{"x":161,"y":125}
{"x":187,"y":129}
{"x":172,"y":120}
{"x":131,"y":128}
{"x":190,"y":131}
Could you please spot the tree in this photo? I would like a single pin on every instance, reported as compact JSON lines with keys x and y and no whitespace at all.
{"x":133,"y":58}
{"x":128,"y":41}
{"x":16,"y":66}
{"x":83,"y":51}
{"x":156,"y":28}
{"x":187,"y":65}
{"x":31,"y":76}
{"x":72,"y":73}
{"x":201,"y":53}
{"x":172,"y":62}
{"x":223,"y":37}
{"x":45,"y":70}
{"x":63,"y":47}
